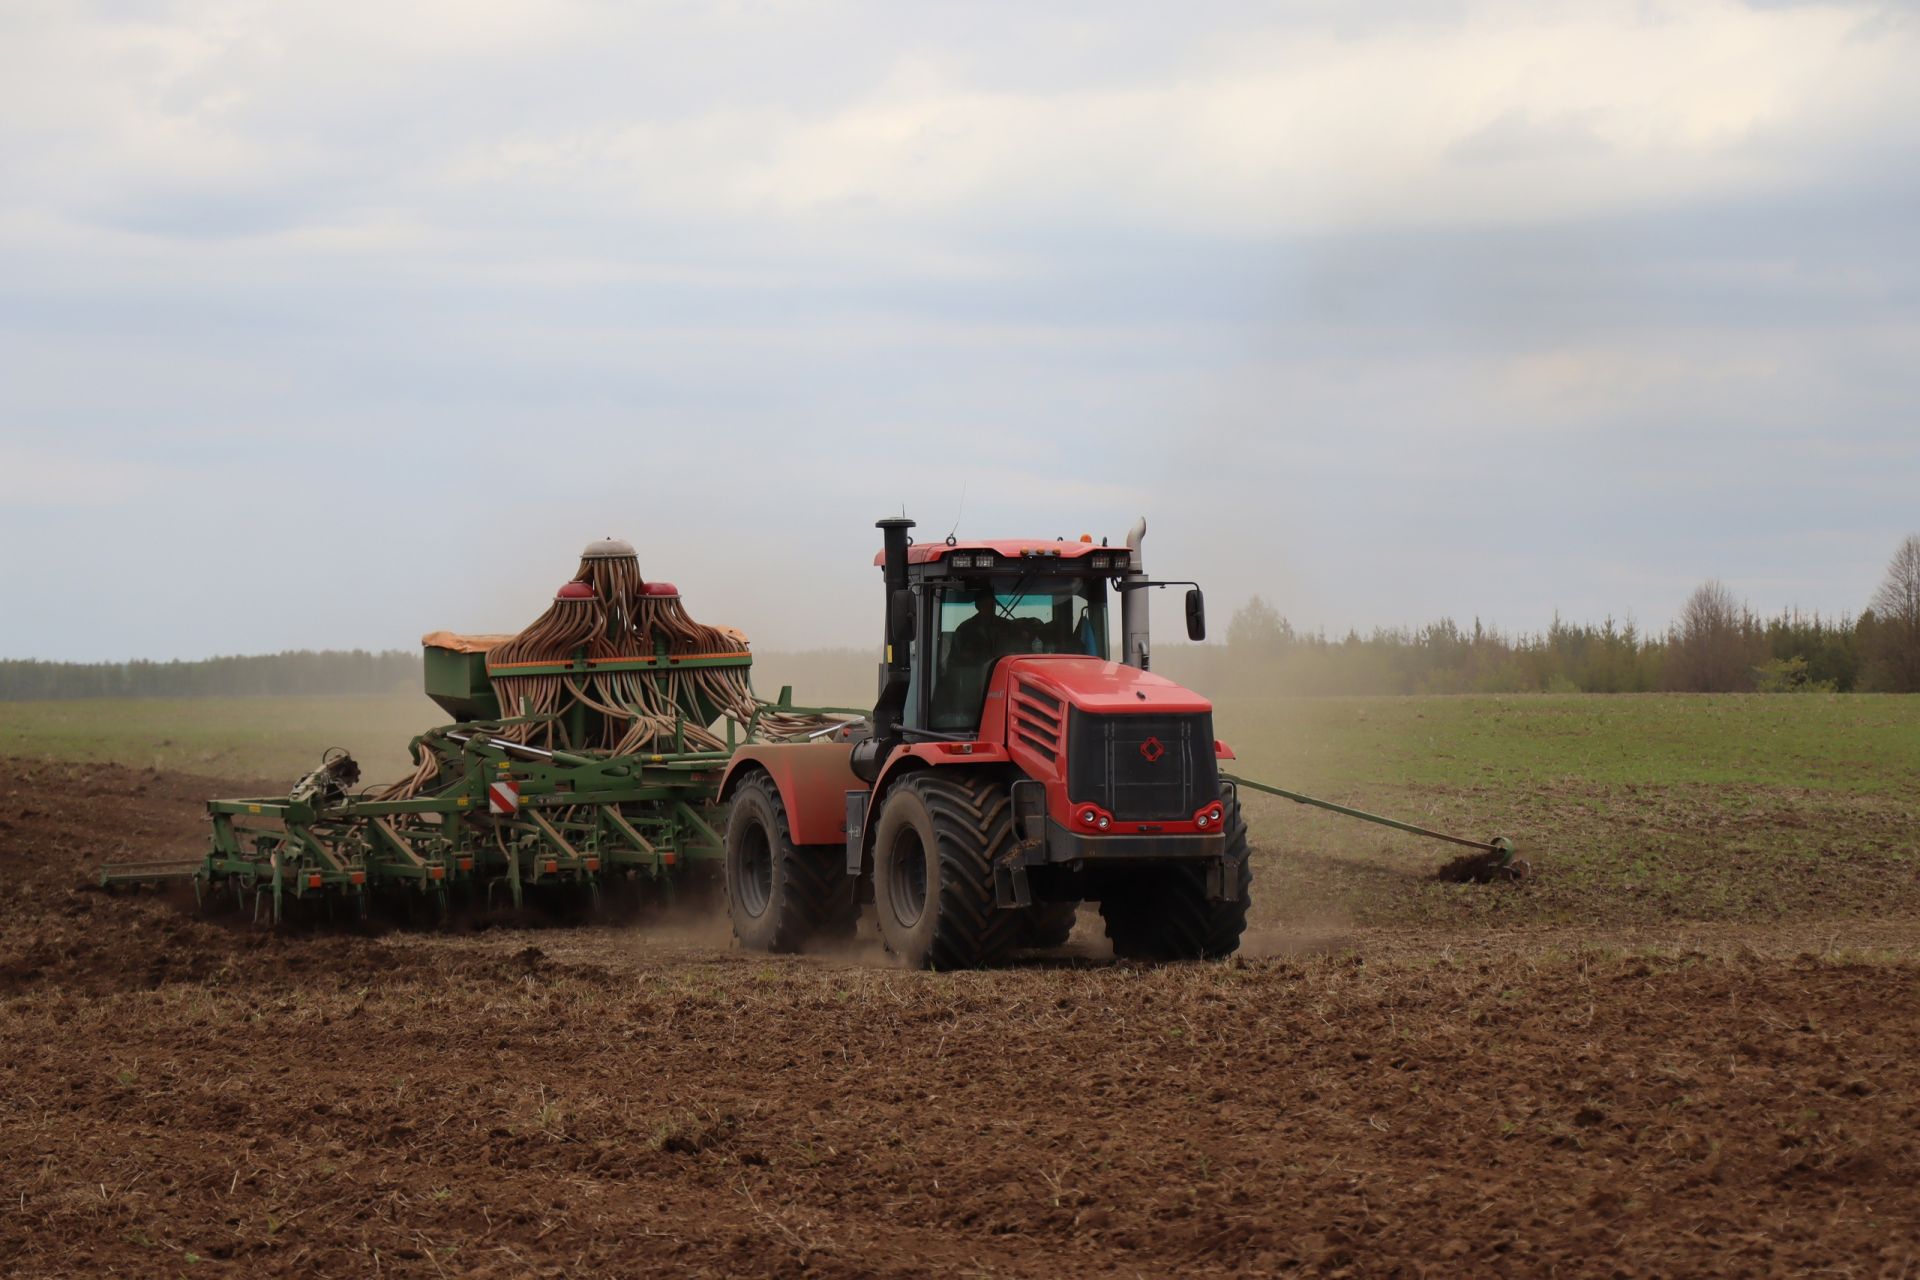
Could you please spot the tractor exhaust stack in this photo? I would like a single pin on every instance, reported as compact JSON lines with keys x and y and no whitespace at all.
{"x":1135,"y":633}
{"x":897,"y":669}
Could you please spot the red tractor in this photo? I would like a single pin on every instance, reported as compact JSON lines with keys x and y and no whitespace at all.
{"x":1013,"y":767}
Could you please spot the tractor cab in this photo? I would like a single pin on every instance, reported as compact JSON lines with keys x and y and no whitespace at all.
{"x":977,"y":605}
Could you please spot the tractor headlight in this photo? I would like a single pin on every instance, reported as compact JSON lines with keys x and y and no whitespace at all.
{"x":1105,"y":823}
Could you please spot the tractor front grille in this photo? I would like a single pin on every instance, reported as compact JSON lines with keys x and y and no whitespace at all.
{"x":1142,"y":768}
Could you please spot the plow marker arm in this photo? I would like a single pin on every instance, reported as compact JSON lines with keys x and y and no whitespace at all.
{"x":1494,"y":858}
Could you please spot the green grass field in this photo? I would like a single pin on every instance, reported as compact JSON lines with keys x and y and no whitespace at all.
{"x":1632,"y":809}
{"x":1829,"y":742}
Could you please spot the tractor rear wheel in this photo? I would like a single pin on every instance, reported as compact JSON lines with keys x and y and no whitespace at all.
{"x":1165,"y":914}
{"x":780,"y":895}
{"x":933,"y":853}
{"x":1047,"y":924}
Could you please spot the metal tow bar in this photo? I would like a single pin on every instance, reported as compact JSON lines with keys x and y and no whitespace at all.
{"x":1495,"y":860}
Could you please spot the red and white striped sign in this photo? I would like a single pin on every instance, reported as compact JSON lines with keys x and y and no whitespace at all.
{"x":503,"y":797}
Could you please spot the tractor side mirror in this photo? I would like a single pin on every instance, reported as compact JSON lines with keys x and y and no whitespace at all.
{"x":1196,"y":615}
{"x":900,"y":618}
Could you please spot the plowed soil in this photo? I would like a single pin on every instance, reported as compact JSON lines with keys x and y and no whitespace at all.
{"x":187,"y":1097}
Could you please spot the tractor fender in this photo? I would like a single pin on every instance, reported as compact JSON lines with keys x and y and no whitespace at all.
{"x":813,"y":779}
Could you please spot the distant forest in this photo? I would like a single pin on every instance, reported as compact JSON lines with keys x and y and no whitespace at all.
{"x":1717,"y":646}
{"x":1739,"y":653}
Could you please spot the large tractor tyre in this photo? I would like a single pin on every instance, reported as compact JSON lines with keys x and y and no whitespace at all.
{"x":1165,"y":914}
{"x":1045,"y":925}
{"x":933,"y":853}
{"x":780,"y":895}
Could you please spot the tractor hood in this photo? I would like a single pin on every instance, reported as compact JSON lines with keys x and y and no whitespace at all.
{"x":1106,"y":688}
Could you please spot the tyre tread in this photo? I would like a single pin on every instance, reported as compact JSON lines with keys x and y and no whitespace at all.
{"x":1168,"y":916}
{"x":812,"y":895}
{"x":972,"y":816}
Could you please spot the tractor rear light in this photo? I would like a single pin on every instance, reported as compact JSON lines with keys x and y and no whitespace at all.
{"x":593,"y":864}
{"x":313,"y":881}
{"x":356,"y":877}
{"x":553,"y":867}
{"x":436,"y":873}
{"x":466,"y":864}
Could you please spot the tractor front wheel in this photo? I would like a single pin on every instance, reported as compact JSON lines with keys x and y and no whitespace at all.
{"x":933,"y":853}
{"x":1046,"y":925}
{"x":780,"y":895}
{"x":1162,"y":914}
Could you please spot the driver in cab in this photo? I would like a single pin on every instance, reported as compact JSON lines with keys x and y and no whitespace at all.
{"x":987,"y":636}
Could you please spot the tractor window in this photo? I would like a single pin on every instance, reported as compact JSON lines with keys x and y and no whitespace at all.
{"x":980,"y":623}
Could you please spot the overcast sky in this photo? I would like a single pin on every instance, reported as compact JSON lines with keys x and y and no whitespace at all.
{"x":327,"y":325}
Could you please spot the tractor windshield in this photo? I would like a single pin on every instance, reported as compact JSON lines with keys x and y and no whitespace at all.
{"x":980,"y":622}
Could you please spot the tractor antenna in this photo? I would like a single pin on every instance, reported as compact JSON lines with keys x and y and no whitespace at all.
{"x":953,"y":532}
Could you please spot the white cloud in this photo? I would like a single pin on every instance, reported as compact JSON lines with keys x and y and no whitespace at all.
{"x":56,"y":479}
{"x":1534,"y":112}
{"x":1498,"y":113}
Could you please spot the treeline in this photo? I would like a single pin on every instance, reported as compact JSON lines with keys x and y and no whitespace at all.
{"x":303,"y":671}
{"x":1718,"y":645}
{"x":1792,"y":652}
